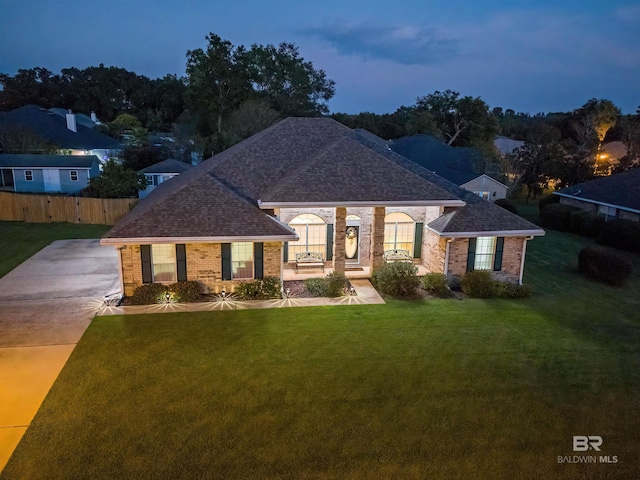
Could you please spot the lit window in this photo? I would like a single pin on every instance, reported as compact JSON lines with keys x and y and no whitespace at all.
{"x":485,"y":249}
{"x":73,"y":175}
{"x":312,"y":232}
{"x":399,"y":232}
{"x":163,"y":259}
{"x":483,"y":194}
{"x":28,"y":175}
{"x":242,"y":260}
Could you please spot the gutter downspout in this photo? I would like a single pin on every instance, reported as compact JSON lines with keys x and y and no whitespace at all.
{"x":446,"y":255}
{"x":524,"y":251}
{"x":282,"y":269}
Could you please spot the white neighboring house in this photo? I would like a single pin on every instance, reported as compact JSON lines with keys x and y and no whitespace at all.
{"x":161,"y":172}
{"x":486,"y":187}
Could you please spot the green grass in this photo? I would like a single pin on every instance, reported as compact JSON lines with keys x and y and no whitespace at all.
{"x":439,"y":389}
{"x":19,"y":240}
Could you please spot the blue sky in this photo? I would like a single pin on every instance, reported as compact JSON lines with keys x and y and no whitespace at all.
{"x":529,"y":56}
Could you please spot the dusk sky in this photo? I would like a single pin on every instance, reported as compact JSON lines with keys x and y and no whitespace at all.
{"x":528,"y":56}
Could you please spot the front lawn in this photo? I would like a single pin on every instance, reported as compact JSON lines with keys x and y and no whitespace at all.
{"x":435,"y":389}
{"x":19,"y":240}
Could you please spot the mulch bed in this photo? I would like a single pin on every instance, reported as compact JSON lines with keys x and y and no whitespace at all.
{"x":298,"y":290}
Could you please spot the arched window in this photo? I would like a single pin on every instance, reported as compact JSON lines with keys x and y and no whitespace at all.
{"x":312,"y":232}
{"x":399,"y":232}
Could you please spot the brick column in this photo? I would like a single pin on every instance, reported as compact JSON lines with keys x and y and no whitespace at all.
{"x":340,"y":230}
{"x":377,"y":237}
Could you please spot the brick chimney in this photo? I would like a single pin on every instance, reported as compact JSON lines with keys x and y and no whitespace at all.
{"x":71,"y":122}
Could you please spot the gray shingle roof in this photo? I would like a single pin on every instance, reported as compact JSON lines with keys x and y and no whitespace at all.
{"x":44,"y":161}
{"x":53,"y":128}
{"x":201,"y":207}
{"x":167,"y":166}
{"x":299,"y":160}
{"x":621,"y":189}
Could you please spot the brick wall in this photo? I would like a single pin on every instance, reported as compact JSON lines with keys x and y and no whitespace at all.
{"x":458,"y":252}
{"x":204,"y":264}
{"x":511,"y":258}
{"x":377,"y":237}
{"x":339,"y":242}
{"x":433,"y":251}
{"x":586,"y":206}
{"x":628,"y":215}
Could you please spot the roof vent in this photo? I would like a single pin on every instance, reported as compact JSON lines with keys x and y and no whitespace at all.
{"x":71,"y":122}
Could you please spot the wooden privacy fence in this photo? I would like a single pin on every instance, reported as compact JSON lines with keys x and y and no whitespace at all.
{"x":22,"y":207}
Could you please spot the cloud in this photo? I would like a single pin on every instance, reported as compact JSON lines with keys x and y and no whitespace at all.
{"x":407,"y":45}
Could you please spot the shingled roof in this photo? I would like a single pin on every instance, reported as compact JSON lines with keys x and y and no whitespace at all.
{"x":620,"y":190}
{"x":301,"y":161}
{"x":167,"y":166}
{"x":53,"y":128}
{"x":47,"y":161}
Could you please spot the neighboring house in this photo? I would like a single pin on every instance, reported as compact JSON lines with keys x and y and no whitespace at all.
{"x":161,"y":172}
{"x":505,"y":145}
{"x":615,"y":196}
{"x":47,"y":173}
{"x":311,"y":185}
{"x":82,"y":119}
{"x":64,"y":132}
{"x":451,"y":163}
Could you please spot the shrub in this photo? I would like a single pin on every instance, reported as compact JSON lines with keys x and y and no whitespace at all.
{"x":548,"y":200}
{"x":556,"y":216}
{"x":332,"y":285}
{"x":186,"y":291}
{"x":511,"y":290}
{"x":478,"y":284}
{"x":507,"y":205}
{"x":398,"y":279}
{"x":435,"y":283}
{"x":604,"y":265}
{"x":268,"y":287}
{"x":621,"y":234}
{"x":148,"y":294}
{"x":590,"y":225}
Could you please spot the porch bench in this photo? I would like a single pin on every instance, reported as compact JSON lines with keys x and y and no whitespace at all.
{"x":309,"y":259}
{"x":390,"y":256}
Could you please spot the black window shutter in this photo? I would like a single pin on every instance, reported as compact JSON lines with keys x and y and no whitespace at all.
{"x":497,"y":261}
{"x":329,"y":255}
{"x":417,"y":240}
{"x":471,"y":256}
{"x":181,"y":261}
{"x":226,"y":261}
{"x":285,"y":253}
{"x":145,"y":256}
{"x":258,"y":260}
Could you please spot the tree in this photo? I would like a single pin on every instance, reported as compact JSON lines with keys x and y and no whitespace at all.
{"x":36,"y":86}
{"x":18,"y":139}
{"x":250,"y":118}
{"x":465,"y":121}
{"x":216,"y":82}
{"x":631,"y":138}
{"x":591,"y":122}
{"x":122,"y":123}
{"x":137,"y":157}
{"x":291,"y":85}
{"x":116,"y":181}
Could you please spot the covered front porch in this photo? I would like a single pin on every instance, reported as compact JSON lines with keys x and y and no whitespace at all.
{"x":289,"y":273}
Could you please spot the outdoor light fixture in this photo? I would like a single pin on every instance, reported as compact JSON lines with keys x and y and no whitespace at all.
{"x":352,"y":291}
{"x":223,"y":293}
{"x":287,"y":292}
{"x":167,"y":297}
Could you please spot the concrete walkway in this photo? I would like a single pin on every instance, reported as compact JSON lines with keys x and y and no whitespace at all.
{"x":46,"y":305}
{"x":366,"y":294}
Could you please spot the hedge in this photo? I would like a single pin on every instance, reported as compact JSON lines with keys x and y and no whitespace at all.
{"x":507,"y":205}
{"x":548,"y":200}
{"x":604,"y":265}
{"x":556,"y":216}
{"x":621,"y":234}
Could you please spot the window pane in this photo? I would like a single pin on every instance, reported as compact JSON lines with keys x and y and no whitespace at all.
{"x":242,"y":260}
{"x":485,"y":248}
{"x":399,"y":236}
{"x":313,"y":235}
{"x":163,"y":258}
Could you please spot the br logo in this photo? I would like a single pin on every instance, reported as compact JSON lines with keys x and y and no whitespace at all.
{"x":582,"y":443}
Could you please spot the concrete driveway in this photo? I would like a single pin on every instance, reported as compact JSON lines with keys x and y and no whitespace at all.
{"x":46,"y":305}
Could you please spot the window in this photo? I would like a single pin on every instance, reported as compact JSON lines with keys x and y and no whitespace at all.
{"x":483,"y":194}
{"x":399,"y":232}
{"x":485,"y":248}
{"x":28,"y":175}
{"x":163,"y":260}
{"x":73,"y":175}
{"x":312,"y":232}
{"x":149,"y":179}
{"x":606,"y":211}
{"x":242,"y":260}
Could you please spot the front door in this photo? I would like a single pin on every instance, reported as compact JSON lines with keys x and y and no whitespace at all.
{"x":352,"y":244}
{"x":51,"y":180}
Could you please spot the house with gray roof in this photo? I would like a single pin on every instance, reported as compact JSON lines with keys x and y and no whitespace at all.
{"x":311,"y":188}
{"x":47,"y":173}
{"x":615,"y":196}
{"x":65,"y":133}
{"x":456,"y":164}
{"x":161,"y":172}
